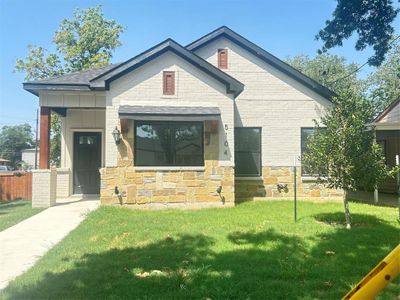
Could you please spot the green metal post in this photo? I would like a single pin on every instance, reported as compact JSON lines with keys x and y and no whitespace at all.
{"x":295,"y":193}
{"x":398,"y":182}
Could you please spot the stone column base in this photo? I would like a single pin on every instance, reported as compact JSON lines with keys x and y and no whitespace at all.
{"x":44,"y":187}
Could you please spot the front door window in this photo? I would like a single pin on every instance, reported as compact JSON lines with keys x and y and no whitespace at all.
{"x":87,"y":162}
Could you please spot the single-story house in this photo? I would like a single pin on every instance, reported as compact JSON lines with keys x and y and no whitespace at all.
{"x":387,"y":129}
{"x":3,"y":161}
{"x":204,"y":124}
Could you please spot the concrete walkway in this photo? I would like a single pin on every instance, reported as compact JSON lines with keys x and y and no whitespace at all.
{"x":24,"y":243}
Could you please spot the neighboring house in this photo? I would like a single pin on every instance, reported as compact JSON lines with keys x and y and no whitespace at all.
{"x":28,"y":156}
{"x":4,"y":161}
{"x":218,"y":113}
{"x":387,"y":126}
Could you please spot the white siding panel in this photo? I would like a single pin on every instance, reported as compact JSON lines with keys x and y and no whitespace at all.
{"x":72,"y":99}
{"x":87,"y":100}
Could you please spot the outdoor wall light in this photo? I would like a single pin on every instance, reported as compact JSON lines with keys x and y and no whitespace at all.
{"x":282,"y":187}
{"x":116,"y":135}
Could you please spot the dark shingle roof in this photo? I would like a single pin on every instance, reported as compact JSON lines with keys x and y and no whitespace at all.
{"x":82,"y":77}
{"x":168,"y":110}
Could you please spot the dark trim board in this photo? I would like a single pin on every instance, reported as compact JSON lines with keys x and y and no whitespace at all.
{"x":34,"y":88}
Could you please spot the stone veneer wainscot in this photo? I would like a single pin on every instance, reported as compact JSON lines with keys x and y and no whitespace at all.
{"x":142,"y":185}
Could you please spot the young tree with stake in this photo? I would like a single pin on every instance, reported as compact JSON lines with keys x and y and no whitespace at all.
{"x":342,"y":152}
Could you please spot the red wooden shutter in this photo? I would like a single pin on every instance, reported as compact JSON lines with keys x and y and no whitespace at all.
{"x":223,"y":58}
{"x":169,"y":83}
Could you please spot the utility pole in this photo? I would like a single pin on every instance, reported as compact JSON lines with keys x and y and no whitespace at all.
{"x":36,"y":138}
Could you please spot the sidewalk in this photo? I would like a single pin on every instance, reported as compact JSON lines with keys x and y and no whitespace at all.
{"x":24,"y":243}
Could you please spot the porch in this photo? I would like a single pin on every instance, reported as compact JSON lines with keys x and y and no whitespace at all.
{"x":82,"y":147}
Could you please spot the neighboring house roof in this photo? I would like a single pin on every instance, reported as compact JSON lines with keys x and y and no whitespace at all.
{"x":390,"y":109}
{"x":100,"y":79}
{"x":263,"y":55}
{"x":30,"y":150}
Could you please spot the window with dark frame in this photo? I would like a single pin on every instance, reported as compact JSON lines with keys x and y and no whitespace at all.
{"x":306,"y":132}
{"x":223,"y":58}
{"x":247,"y":151}
{"x":169,"y":83}
{"x":169,"y":143}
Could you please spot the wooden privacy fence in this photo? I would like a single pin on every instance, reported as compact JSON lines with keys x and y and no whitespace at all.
{"x":15,"y":185}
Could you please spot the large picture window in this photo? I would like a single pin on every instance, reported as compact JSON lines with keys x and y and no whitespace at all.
{"x":305,"y":135}
{"x":247,"y":152}
{"x":169,"y":144}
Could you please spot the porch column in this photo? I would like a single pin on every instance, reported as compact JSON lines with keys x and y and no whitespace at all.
{"x":44,"y":137}
{"x":44,"y":180}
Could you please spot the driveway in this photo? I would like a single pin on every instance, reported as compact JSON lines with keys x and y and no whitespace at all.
{"x":24,"y":243}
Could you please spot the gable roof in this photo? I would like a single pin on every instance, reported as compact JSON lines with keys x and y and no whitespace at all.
{"x":97,"y":79}
{"x":263,"y":55}
{"x":387,"y":110}
{"x":232,"y":85}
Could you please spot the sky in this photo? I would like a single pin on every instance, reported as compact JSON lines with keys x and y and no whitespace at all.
{"x":283,"y":28}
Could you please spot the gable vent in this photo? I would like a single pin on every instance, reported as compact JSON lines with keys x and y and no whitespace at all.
{"x":223,"y":58}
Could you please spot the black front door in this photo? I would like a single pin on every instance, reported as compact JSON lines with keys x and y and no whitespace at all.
{"x":87,"y":162}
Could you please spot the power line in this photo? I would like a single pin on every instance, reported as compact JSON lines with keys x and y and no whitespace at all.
{"x":360,"y":67}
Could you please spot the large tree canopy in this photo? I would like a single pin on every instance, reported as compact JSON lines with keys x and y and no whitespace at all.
{"x":329,"y":70}
{"x":13,"y":139}
{"x":384,"y":83}
{"x":370,"y":19}
{"x":86,"y":41}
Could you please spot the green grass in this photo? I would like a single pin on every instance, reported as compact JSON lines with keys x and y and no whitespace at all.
{"x":252,"y":251}
{"x":14,"y":212}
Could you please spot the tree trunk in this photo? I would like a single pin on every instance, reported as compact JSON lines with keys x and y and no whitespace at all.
{"x":346,"y":210}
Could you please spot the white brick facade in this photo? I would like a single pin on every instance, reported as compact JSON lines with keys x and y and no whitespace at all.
{"x":193,"y":87}
{"x":44,"y":188}
{"x":271,"y":100}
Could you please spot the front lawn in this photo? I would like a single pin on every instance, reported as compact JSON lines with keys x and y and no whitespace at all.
{"x":14,"y":212}
{"x":252,"y":251}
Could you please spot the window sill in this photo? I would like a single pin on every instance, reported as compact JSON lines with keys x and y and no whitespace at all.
{"x":199,"y":169}
{"x":169,"y":96}
{"x":249,"y":178}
